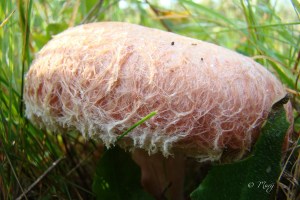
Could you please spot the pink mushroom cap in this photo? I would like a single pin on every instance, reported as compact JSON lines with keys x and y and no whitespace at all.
{"x":101,"y":78}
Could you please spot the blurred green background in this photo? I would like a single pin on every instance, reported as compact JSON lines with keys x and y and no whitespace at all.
{"x":266,"y":30}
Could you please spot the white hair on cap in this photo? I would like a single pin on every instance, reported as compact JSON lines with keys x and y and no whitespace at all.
{"x":101,"y":78}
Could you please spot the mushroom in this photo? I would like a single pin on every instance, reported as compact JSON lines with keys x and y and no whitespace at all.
{"x":101,"y":78}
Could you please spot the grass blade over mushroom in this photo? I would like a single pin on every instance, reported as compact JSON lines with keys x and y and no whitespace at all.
{"x":136,"y":125}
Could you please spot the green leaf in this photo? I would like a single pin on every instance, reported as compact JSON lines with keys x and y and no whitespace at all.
{"x":254,"y":177}
{"x":118,"y":177}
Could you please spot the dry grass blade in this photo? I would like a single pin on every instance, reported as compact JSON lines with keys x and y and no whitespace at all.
{"x":54,"y":164}
{"x":7,"y":18}
{"x":288,"y":181}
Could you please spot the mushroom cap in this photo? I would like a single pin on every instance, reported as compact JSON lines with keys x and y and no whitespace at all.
{"x":101,"y":78}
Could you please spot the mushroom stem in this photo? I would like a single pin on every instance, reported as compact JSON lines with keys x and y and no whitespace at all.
{"x":161,"y":177}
